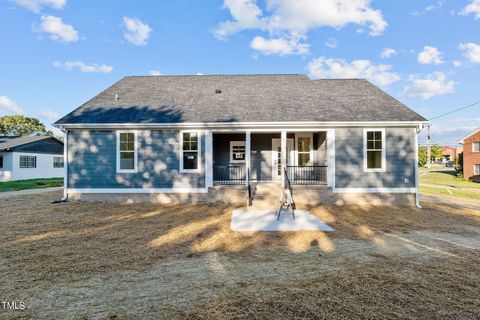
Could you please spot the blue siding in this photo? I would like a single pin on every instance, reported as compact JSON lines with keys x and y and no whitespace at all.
{"x":92,"y":161}
{"x":400,"y":160}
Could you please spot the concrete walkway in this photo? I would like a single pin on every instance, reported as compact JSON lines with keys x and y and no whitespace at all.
{"x":266,"y":220}
{"x":9,"y":194}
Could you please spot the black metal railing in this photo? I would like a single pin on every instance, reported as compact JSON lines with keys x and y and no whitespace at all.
{"x":249,"y":189}
{"x":307,"y":175}
{"x":229,"y":175}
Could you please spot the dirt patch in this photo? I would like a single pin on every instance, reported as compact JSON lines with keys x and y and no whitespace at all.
{"x":99,"y":260}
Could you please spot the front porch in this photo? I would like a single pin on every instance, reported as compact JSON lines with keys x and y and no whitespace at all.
{"x":257,"y":157}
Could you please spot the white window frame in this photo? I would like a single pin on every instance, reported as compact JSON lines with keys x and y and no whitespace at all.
{"x":199,"y":150}
{"x":27,"y":165}
{"x":476,"y":174}
{"x":135,"y":152}
{"x":384,"y":147}
{"x":473,"y":148}
{"x":304,"y":135}
{"x":237,"y":144}
{"x":63,"y":162}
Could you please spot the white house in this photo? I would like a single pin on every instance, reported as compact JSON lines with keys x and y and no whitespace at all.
{"x":36,"y":157}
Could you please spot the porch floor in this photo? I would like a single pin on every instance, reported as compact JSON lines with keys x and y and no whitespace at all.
{"x":265,"y":220}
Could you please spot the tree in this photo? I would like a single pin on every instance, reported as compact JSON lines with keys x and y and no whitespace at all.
{"x":436,"y":151}
{"x":422,"y":156}
{"x":22,"y":126}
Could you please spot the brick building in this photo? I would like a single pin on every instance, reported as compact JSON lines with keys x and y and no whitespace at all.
{"x":471,"y":155}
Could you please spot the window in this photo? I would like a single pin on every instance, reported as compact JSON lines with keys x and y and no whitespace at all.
{"x":237,"y":151}
{"x":126,"y":151}
{"x":28,"y":162}
{"x":190,"y":150}
{"x":476,"y":169}
{"x":476,"y":147}
{"x":58,"y":162}
{"x":304,"y":144}
{"x":1,"y":162}
{"x":374,"y":150}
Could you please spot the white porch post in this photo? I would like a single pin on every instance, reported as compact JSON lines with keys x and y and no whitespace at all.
{"x":283,"y":146}
{"x":248,"y":143}
{"x":331,"y":158}
{"x":65,"y":165}
{"x":208,"y":159}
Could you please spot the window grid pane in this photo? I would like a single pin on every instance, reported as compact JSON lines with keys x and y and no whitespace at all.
{"x":127,"y":151}
{"x":190,"y":150}
{"x":374,"y":150}
{"x":476,"y":147}
{"x":476,"y":170}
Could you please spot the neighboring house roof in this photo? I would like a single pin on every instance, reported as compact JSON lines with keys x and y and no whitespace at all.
{"x":11,"y":142}
{"x":469,"y":135}
{"x":239,"y":98}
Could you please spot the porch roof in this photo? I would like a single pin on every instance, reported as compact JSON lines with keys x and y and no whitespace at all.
{"x":239,"y":98}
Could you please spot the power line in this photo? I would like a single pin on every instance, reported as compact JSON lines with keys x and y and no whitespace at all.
{"x":450,"y":112}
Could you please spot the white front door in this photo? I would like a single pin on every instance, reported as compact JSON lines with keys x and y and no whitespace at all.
{"x":277,"y":157}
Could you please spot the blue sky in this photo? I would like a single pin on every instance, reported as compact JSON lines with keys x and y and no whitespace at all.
{"x":57,"y":54}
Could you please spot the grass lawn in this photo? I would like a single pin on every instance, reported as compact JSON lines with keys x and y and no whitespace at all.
{"x":447,"y":178}
{"x":451,"y":192}
{"x":30,"y":184}
{"x":95,"y":260}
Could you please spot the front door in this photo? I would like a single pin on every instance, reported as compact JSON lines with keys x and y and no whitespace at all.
{"x":277,"y":157}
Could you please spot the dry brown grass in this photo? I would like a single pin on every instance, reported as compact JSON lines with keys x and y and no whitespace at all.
{"x":70,"y":244}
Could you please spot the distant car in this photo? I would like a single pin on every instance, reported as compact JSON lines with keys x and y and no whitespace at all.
{"x":449,"y":163}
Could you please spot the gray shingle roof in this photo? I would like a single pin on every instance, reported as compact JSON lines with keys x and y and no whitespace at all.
{"x":9,"y":142}
{"x":243,"y":98}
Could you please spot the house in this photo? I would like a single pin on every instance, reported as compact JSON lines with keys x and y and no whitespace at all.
{"x":30,"y":157}
{"x":211,"y":138}
{"x":471,"y":155}
{"x":450,"y":153}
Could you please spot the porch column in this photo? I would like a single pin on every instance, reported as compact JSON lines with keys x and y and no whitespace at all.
{"x":65,"y":165}
{"x":208,"y":158}
{"x":248,"y":143}
{"x":331,"y":158}
{"x":283,"y":146}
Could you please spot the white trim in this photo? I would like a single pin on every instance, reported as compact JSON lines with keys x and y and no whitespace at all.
{"x":208,"y":158}
{"x":137,"y":190}
{"x":237,"y":143}
{"x":65,"y":167}
{"x":417,"y":195}
{"x":135,"y":152}
{"x":473,"y":143}
{"x":290,"y":156}
{"x":461,"y":141}
{"x":384,"y":153}
{"x":308,"y":135}
{"x":374,"y":190}
{"x":474,"y":169}
{"x":331,"y":158}
{"x":279,"y":124}
{"x":199,"y":150}
{"x":248,"y":151}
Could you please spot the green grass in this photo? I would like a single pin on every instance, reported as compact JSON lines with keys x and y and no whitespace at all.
{"x":454,"y":193}
{"x":30,"y":184}
{"x":447,"y":179}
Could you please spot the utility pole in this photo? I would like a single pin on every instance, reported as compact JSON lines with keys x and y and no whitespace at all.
{"x":429,"y":151}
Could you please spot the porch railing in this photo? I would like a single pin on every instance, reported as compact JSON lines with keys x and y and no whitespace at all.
{"x":307,"y":175}
{"x":229,"y":175}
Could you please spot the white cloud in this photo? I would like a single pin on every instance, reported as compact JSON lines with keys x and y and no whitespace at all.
{"x":278,"y":46}
{"x":472,"y":8}
{"x":83,"y":67}
{"x":337,"y":68}
{"x":430,"y":55}
{"x":9,"y":106}
{"x":435,"y":5}
{"x":331,"y":43}
{"x":155,"y":73}
{"x":137,"y":32}
{"x":291,"y":20}
{"x":57,"y":29}
{"x":36,"y":5}
{"x":457,"y":63}
{"x":471,"y":51}
{"x":388,"y":53}
{"x":435,"y":84}
{"x":49,"y":115}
